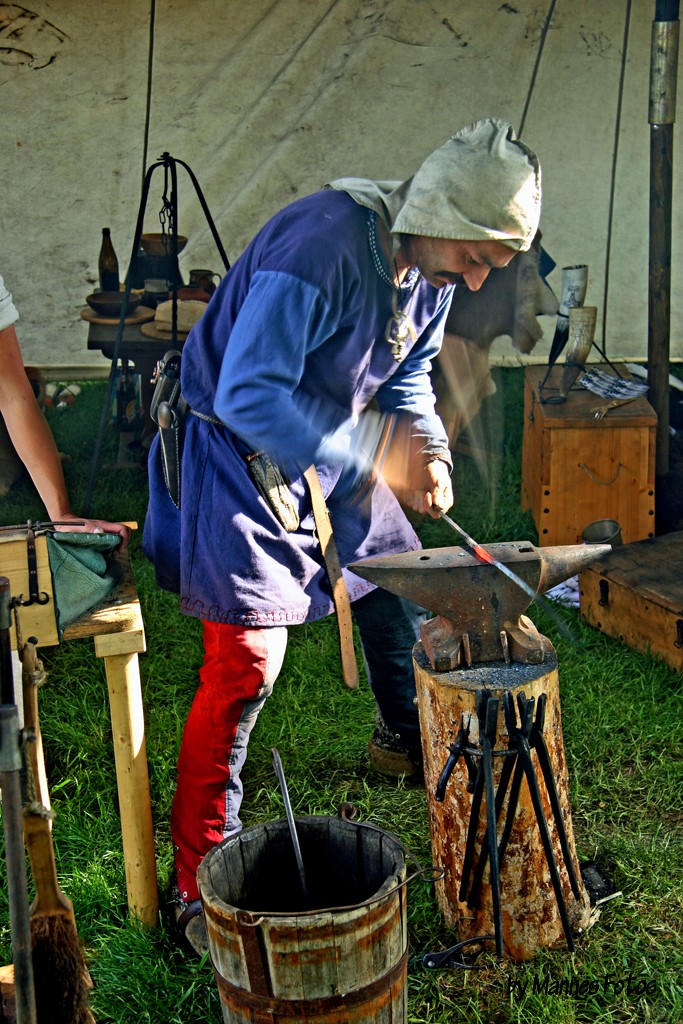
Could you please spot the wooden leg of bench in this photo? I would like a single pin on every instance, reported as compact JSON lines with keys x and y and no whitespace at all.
{"x":128,"y":726}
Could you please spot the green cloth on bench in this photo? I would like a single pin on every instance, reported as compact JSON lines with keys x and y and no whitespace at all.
{"x":81,"y":575}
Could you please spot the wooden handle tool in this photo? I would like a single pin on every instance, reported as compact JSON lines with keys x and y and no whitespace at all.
{"x":62,"y":978}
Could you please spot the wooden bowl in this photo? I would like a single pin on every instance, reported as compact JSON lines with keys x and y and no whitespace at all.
{"x":109,"y":303}
{"x":156,"y":244}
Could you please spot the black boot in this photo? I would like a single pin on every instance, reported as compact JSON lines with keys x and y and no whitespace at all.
{"x":388,"y":755}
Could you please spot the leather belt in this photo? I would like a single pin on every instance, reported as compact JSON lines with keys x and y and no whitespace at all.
{"x":340,"y":596}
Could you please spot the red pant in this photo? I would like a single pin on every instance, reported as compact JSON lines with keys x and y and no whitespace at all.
{"x":240,"y":667}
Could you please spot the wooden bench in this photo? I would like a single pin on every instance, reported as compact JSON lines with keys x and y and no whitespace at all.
{"x":118,"y":634}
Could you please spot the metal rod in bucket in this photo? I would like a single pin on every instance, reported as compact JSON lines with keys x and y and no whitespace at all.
{"x":279,"y":771}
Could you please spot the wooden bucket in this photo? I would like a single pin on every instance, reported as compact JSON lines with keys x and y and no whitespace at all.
{"x":341,"y":958}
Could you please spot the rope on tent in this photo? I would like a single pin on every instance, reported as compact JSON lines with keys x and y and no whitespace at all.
{"x":539,"y":54}
{"x":615,"y":153}
{"x":148,"y":98}
{"x":615,"y":149}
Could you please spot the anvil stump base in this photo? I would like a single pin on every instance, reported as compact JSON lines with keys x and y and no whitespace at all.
{"x":530,"y":913}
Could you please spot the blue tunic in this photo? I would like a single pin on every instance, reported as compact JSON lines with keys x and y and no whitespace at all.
{"x":288,"y":354}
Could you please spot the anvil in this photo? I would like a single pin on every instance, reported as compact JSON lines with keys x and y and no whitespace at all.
{"x":479,"y":610}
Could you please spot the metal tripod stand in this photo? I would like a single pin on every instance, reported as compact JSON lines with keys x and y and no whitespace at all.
{"x":169,"y":221}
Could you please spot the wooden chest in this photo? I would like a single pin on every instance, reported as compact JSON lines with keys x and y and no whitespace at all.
{"x":636,"y":595}
{"x":577,"y":469}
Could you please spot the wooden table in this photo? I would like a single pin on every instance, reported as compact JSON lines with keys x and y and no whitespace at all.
{"x":118,"y":634}
{"x":138,"y":348}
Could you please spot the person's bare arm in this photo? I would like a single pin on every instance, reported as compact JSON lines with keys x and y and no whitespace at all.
{"x":34,"y":443}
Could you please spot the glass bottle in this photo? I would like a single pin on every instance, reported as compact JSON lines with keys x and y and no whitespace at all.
{"x":108,"y":264}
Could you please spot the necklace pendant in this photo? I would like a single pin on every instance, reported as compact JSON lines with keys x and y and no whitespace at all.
{"x":400,"y":331}
{"x":398,"y":349}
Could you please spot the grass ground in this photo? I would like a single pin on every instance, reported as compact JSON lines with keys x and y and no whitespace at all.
{"x":622,"y":728}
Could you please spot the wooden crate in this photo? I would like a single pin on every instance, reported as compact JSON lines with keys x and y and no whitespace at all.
{"x":577,"y":469}
{"x":636,"y":595}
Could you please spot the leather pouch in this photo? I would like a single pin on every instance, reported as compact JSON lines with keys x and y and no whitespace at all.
{"x":274,"y":489}
{"x":166,"y":384}
{"x":168,"y":409}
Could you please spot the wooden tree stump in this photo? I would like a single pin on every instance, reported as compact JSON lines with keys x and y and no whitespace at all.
{"x":530,"y":914}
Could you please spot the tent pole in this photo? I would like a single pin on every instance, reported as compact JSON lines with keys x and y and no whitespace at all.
{"x":661,"y":116}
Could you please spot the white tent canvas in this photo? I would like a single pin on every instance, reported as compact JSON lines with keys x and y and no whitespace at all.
{"x":266,"y":101}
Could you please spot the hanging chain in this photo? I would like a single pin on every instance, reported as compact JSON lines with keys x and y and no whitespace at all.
{"x":166,"y":214}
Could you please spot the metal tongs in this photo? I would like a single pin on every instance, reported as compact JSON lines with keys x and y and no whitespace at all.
{"x":279,"y":771}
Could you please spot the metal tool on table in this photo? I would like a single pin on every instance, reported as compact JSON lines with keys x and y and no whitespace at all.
{"x":15,"y":859}
{"x":615,"y":403}
{"x":279,"y":771}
